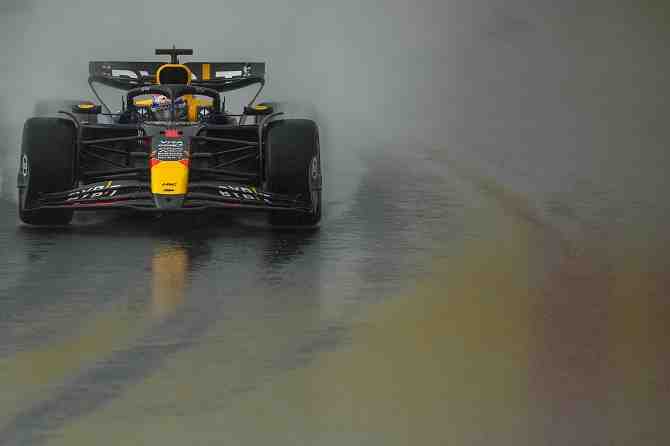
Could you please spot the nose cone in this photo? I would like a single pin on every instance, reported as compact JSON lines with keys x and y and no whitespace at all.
{"x":169,"y":169}
{"x":169,"y":177}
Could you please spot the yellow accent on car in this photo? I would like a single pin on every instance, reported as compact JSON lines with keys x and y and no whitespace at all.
{"x":169,"y":178}
{"x":204,"y":102}
{"x":86,"y":106}
{"x":261,"y":107}
{"x":142,"y":102}
{"x":206,"y":71}
{"x":192,"y":110}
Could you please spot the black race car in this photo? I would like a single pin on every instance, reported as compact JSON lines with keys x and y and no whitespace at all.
{"x":172,"y":148}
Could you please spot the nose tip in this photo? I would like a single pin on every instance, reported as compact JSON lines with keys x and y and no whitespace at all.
{"x":169,"y":201}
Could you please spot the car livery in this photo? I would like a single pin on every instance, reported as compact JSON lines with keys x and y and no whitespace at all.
{"x":172,"y":147}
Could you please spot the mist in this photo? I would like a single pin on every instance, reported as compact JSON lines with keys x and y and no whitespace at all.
{"x":356,"y":68}
{"x":551,"y":89}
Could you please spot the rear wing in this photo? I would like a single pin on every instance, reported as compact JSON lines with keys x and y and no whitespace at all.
{"x":219,"y":76}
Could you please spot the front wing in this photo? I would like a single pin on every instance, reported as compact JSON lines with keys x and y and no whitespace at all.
{"x":136,"y":195}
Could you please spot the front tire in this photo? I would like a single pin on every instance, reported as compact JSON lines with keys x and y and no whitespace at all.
{"x":293,"y":167}
{"x":47,"y":164}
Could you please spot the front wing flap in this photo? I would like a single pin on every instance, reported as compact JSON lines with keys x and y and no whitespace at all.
{"x":137,"y":195}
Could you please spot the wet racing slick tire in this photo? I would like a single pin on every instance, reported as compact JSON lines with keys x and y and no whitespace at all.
{"x":293,"y":167}
{"x":47,"y":164}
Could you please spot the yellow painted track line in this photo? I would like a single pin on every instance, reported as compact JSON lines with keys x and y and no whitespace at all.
{"x":31,"y":376}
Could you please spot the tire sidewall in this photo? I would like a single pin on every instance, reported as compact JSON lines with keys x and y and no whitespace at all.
{"x":293,"y":166}
{"x":46,"y":164}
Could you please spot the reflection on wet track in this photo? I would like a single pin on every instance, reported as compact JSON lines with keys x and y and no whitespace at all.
{"x":438,"y":306}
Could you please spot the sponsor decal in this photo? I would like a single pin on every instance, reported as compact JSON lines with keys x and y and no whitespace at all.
{"x":314,"y":172}
{"x":228,"y":74}
{"x":24,"y":166}
{"x":170,"y":150}
{"x":95,"y":192}
{"x":244,"y":193}
{"x":121,"y":73}
{"x":203,"y":113}
{"x":168,"y":186}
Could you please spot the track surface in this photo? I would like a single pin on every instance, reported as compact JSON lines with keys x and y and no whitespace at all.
{"x":91,"y":311}
{"x":434,"y":304}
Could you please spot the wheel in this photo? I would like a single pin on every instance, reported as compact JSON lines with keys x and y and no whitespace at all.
{"x":47,"y":164}
{"x":293,"y":167}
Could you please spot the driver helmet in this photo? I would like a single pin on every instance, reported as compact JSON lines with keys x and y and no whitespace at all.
{"x":160,"y":108}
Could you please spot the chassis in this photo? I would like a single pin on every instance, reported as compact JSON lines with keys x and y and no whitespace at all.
{"x":212,"y":160}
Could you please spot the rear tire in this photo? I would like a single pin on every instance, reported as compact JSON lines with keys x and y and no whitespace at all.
{"x":47,"y":164}
{"x":293,"y":167}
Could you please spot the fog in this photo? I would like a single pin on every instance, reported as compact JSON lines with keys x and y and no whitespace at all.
{"x":362,"y":70}
{"x":545,"y":88}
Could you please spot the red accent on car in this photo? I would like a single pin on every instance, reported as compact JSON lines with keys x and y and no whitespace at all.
{"x":172,"y":133}
{"x":185,"y":162}
{"x":153,"y":162}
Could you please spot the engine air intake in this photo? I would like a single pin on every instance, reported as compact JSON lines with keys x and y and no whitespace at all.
{"x":174,"y":74}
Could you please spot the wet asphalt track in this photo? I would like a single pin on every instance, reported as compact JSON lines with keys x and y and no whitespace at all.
{"x":434,"y":304}
{"x":90,"y":311}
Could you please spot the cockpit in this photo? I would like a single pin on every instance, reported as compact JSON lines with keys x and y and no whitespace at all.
{"x":157,"y":106}
{"x":185,"y":108}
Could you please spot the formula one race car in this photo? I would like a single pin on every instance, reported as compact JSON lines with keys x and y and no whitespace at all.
{"x":172,"y":148}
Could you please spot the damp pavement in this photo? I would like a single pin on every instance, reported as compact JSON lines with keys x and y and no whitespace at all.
{"x":434,"y":305}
